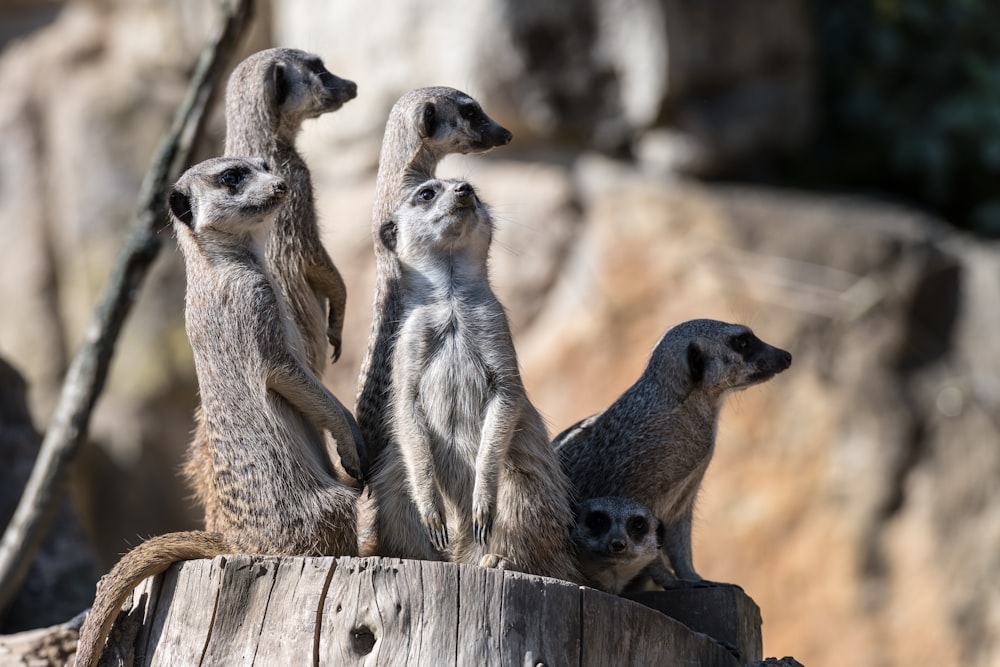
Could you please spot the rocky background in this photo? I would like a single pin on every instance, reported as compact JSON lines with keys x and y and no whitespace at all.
{"x":855,"y":497}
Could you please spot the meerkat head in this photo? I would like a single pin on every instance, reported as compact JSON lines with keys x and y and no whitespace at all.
{"x":718,"y":357}
{"x":228,"y":195}
{"x":452,"y":122}
{"x":439,"y":215}
{"x":295,"y":85}
{"x":613,"y":529}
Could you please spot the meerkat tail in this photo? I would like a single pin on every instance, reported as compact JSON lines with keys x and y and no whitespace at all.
{"x":151,"y":557}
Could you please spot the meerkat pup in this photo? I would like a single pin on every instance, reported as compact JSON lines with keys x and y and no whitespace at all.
{"x":616,"y":540}
{"x":424,"y":126}
{"x":655,"y":442}
{"x":262,"y":408}
{"x":474,"y":478}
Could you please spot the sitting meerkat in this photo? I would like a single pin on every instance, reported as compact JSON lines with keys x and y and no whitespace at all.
{"x":655,"y":442}
{"x":616,"y":540}
{"x":262,"y":409}
{"x":424,"y":126}
{"x":474,"y":478}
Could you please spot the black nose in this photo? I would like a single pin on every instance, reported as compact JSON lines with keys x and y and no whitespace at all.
{"x":464,"y":190}
{"x":616,"y":546}
{"x":785,"y":359}
{"x":506,"y":136}
{"x":280,"y":188}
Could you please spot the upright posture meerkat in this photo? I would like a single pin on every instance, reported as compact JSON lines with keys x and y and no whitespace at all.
{"x":262,"y":408}
{"x":474,"y":477}
{"x":268,"y":97}
{"x":655,"y":442}
{"x":424,"y":126}
{"x":616,"y":540}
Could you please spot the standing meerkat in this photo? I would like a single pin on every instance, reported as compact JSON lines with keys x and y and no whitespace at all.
{"x":616,"y":540}
{"x":262,"y":408}
{"x":424,"y":126}
{"x":655,"y":442}
{"x":474,"y":477}
{"x":268,"y":97}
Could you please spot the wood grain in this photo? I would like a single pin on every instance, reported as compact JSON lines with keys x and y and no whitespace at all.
{"x":252,"y":610}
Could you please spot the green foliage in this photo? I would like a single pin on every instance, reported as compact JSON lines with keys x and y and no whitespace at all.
{"x":911,"y":102}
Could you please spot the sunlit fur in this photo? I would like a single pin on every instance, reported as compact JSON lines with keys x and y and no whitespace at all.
{"x":473,"y":472}
{"x":262,"y":409}
{"x":423,"y":127}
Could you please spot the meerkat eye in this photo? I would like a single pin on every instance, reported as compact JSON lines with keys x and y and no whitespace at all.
{"x":426,"y":194}
{"x":637,"y":527}
{"x":597,"y":523}
{"x":468,"y":111}
{"x":741,"y":342}
{"x":231,"y":178}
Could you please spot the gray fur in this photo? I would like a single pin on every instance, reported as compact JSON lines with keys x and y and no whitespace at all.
{"x":424,"y":126}
{"x":655,"y":442}
{"x":268,"y":97}
{"x":473,"y":478}
{"x":267,"y":485}
{"x":616,"y":540}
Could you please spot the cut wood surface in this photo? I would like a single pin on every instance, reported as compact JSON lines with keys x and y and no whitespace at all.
{"x":253,"y":610}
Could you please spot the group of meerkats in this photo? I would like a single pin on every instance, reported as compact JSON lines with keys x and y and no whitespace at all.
{"x":448,"y":459}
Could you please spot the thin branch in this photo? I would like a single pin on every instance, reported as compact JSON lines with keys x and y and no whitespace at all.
{"x":89,"y":368}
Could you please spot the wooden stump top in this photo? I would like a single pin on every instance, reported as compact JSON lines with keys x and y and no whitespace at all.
{"x":252,"y":610}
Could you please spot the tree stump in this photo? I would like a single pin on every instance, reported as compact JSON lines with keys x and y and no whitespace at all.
{"x":253,"y":610}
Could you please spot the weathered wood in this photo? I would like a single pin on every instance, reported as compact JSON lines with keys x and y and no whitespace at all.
{"x":178,"y":633}
{"x":243,"y":610}
{"x":723,"y":612}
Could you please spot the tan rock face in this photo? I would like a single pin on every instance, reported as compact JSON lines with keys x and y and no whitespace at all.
{"x":853,"y":496}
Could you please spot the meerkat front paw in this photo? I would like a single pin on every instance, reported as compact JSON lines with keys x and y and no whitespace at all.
{"x":437,"y":530}
{"x":496,"y":561}
{"x":482,"y":523}
{"x":334,"y":338}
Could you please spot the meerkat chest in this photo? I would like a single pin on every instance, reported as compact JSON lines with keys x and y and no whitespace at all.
{"x":455,"y":374}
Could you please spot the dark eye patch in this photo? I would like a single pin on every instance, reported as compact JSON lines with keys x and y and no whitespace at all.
{"x":233,"y":177}
{"x":469,"y":111}
{"x":741,"y":342}
{"x":637,"y":527}
{"x":316,"y":66}
{"x":597,"y":523}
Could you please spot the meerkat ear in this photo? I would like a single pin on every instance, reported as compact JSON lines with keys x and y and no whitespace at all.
{"x":696,"y":363}
{"x":387,"y":234}
{"x":427,"y":125}
{"x":180,"y":206}
{"x":661,"y":533}
{"x":279,"y":83}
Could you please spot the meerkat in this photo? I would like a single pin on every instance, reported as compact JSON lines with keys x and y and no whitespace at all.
{"x":616,"y":540}
{"x":424,"y":126}
{"x":262,"y":408}
{"x":268,"y":97}
{"x":474,"y":478}
{"x":655,"y":442}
